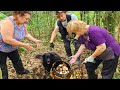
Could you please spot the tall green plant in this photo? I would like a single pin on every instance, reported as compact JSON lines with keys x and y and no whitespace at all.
{"x":2,"y":16}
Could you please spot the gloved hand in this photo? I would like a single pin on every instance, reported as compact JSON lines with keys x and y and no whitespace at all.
{"x":89,"y":59}
{"x":75,"y":41}
{"x":51,"y":45}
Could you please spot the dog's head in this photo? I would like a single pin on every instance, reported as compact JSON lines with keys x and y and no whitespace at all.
{"x":48,"y":59}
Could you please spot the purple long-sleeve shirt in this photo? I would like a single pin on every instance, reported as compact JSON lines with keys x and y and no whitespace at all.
{"x":98,"y":35}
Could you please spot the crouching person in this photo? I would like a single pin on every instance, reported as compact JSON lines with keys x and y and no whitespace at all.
{"x":60,"y":26}
{"x":106,"y":48}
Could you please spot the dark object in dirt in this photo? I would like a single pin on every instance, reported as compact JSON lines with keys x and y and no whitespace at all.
{"x":48,"y":59}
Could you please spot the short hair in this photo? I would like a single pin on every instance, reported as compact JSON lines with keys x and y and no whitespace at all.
{"x":59,"y":12}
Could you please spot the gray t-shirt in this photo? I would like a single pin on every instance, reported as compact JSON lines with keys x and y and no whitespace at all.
{"x":73,"y":17}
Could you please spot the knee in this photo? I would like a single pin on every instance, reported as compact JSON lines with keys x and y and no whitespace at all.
{"x":107,"y":74}
{"x":89,"y":67}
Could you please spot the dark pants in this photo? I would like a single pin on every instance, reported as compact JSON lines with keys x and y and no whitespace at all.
{"x":108,"y":69}
{"x":16,"y":61}
{"x":68,"y":48}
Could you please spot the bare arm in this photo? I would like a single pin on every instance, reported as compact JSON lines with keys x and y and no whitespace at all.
{"x":99,"y":50}
{"x":80,"y":50}
{"x":7,"y":31}
{"x":54,"y":33}
{"x":29,"y":36}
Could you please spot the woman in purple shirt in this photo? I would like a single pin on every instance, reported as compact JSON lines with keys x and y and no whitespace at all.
{"x":106,"y":48}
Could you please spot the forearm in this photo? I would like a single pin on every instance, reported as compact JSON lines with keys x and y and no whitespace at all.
{"x":31,"y":38}
{"x":80,"y":50}
{"x":99,"y":50}
{"x":14,"y":42}
{"x":53,"y":36}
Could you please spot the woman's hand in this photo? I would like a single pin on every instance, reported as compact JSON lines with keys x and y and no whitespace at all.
{"x":73,"y":59}
{"x":29,"y":47}
{"x":38,"y":42}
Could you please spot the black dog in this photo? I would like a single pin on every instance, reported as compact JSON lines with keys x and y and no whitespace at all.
{"x":48,"y":59}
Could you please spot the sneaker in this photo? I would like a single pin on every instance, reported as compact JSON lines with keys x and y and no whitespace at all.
{"x":25,"y":71}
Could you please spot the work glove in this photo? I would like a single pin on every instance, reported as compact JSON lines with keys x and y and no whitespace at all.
{"x":51,"y":45}
{"x":89,"y":59}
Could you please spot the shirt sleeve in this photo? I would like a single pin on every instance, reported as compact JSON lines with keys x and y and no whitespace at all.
{"x":81,"y":40}
{"x":74,"y":17}
{"x":97,"y":38}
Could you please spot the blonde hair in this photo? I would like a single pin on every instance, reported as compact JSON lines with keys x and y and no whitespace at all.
{"x":75,"y":26}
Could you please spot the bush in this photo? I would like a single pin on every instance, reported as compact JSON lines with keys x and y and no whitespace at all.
{"x":2,"y":16}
